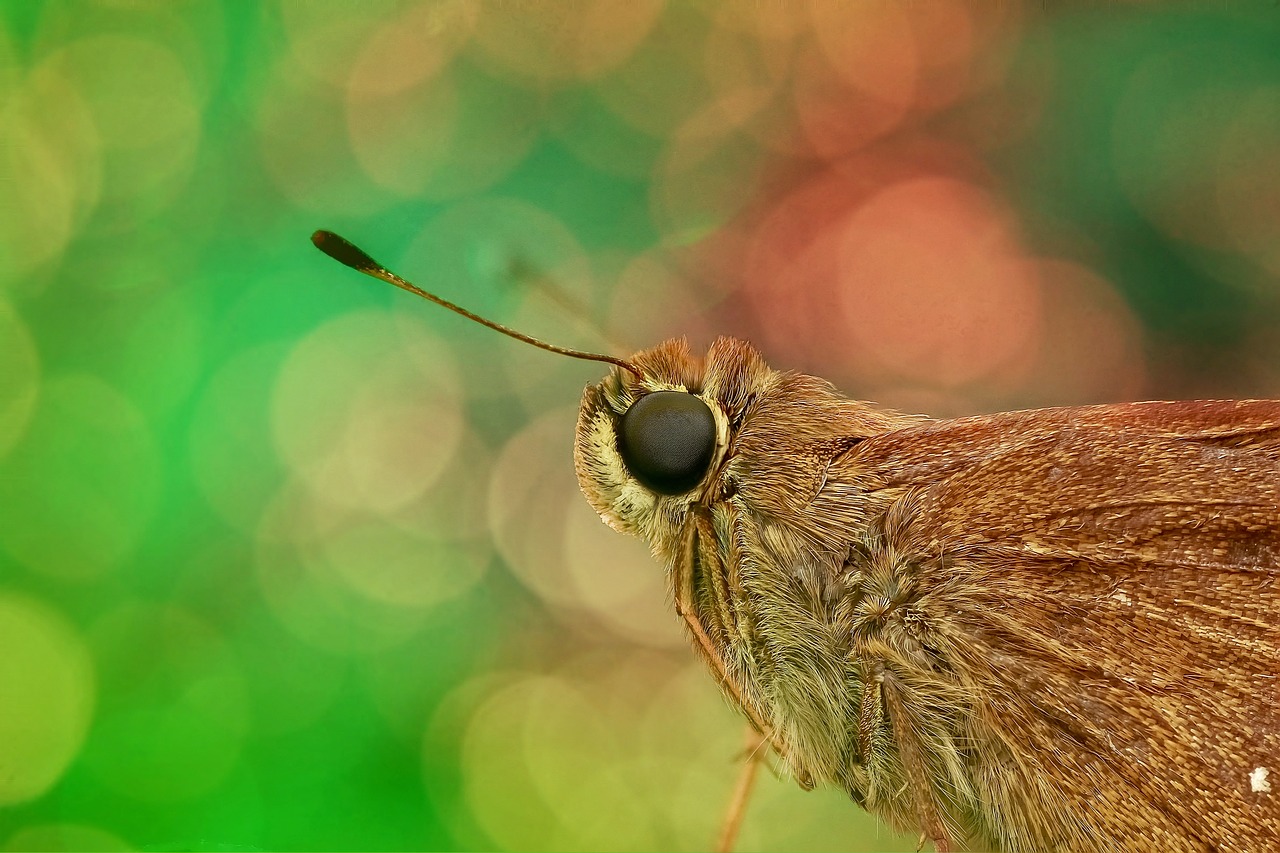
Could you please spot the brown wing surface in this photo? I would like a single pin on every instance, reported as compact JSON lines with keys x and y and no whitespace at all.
{"x":1105,"y":584}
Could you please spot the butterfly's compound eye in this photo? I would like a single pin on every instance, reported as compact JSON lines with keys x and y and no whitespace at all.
{"x":667,"y":441}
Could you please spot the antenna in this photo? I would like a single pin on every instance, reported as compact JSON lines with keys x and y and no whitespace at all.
{"x":345,"y":252}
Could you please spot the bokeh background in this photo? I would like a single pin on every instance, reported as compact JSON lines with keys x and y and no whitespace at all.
{"x":291,"y":560}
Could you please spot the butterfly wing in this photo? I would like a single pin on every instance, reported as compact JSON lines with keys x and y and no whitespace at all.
{"x":1103,"y":585}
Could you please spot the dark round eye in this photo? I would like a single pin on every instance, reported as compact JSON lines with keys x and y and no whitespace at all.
{"x":667,"y":441}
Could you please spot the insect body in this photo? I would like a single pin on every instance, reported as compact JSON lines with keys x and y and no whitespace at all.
{"x":1044,"y":630}
{"x":1041,"y":630}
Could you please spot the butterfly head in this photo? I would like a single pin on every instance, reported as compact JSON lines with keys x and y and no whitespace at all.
{"x":649,"y":444}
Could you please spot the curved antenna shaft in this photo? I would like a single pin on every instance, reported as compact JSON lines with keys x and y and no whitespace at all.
{"x":346,"y":252}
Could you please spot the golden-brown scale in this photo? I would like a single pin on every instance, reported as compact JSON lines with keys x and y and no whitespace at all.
{"x":1056,"y":629}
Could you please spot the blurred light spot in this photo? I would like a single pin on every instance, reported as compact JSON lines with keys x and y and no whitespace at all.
{"x":790,"y":272}
{"x":50,"y":167}
{"x":530,"y":495}
{"x":558,"y":548}
{"x":871,"y":46}
{"x":945,"y":32}
{"x":306,"y":149}
{"x":1090,"y":348}
{"x":546,"y":756}
{"x":367,"y":410}
{"x":305,"y":591}
{"x":327,"y":39}
{"x":456,"y":506}
{"x":146,"y":113}
{"x":835,"y":120}
{"x":81,"y":487}
{"x":174,"y":711}
{"x":1248,"y":178}
{"x":233,"y":456}
{"x":407,"y":683}
{"x":750,"y":47}
{"x":931,"y":289}
{"x":411,"y":47}
{"x":657,"y":90}
{"x":685,"y":690}
{"x":863,"y":81}
{"x":688,"y":767}
{"x":402,"y":139}
{"x":773,"y":22}
{"x":539,"y":771}
{"x":441,"y":759}
{"x":708,"y":171}
{"x":20,"y":379}
{"x":400,"y":566}
{"x":654,"y":301}
{"x":65,"y":836}
{"x":497,"y":781}
{"x":448,"y":136}
{"x":751,"y":53}
{"x":197,"y":32}
{"x":1168,"y":137}
{"x":597,"y":136}
{"x":46,"y":679}
{"x":553,"y":43}
{"x":619,"y":581}
{"x":137,"y":90}
{"x":945,"y":37}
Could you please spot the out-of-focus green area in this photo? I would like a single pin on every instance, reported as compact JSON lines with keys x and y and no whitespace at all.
{"x":291,"y":560}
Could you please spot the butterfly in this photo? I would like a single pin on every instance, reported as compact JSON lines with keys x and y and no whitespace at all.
{"x":1055,"y":629}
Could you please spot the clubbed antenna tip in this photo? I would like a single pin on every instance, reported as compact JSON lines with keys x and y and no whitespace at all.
{"x":344,"y":251}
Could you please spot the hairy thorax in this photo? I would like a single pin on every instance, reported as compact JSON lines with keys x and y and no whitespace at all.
{"x":856,"y":636}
